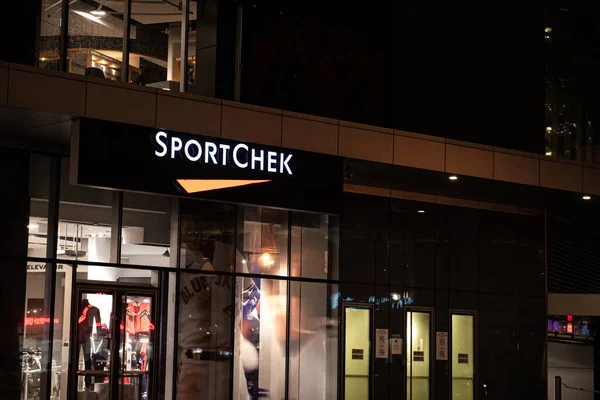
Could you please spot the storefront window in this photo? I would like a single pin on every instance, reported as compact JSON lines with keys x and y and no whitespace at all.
{"x":207,"y":234}
{"x":48,"y":41}
{"x":131,"y":276}
{"x":38,"y":205}
{"x":155,"y":56}
{"x":313,"y":254}
{"x":462,"y":357}
{"x":313,"y":341}
{"x":85,"y":217}
{"x":263,"y":235}
{"x":204,"y":336}
{"x":145,"y":235}
{"x":260,"y":339}
{"x":96,"y":39}
{"x":35,"y":333}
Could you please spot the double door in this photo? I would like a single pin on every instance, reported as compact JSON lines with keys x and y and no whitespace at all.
{"x":114,"y":339}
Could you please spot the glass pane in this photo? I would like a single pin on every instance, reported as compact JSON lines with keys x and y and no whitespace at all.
{"x":204,"y":337}
{"x":263,"y":240}
{"x":136,"y":347}
{"x":139,"y":277}
{"x":146,"y":230}
{"x":156,"y":43}
{"x":202,"y":43}
{"x":207,"y":234}
{"x":48,"y":41}
{"x":35,"y":331}
{"x":96,"y":39}
{"x":357,"y":352}
{"x":94,"y":344}
{"x":313,"y":341}
{"x":260,"y":336}
{"x":462,"y":357}
{"x":62,"y":331}
{"x":418,"y":334}
{"x":39,"y":181}
{"x":314,"y":244}
{"x":85,"y":216}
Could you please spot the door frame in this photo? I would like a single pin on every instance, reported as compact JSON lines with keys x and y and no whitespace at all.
{"x":473,"y":313}
{"x":371,"y":308}
{"x":432,"y":361}
{"x":116,"y":289}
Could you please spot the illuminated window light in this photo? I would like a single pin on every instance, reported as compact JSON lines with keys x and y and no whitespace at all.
{"x":548,"y":153}
{"x":33,"y":226}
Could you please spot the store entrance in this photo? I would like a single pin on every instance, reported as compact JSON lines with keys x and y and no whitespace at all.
{"x":114,"y":338}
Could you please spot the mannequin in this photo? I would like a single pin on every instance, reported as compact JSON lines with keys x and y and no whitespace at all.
{"x":87,"y":316}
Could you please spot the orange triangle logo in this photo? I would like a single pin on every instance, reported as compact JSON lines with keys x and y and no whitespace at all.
{"x":204,"y":185}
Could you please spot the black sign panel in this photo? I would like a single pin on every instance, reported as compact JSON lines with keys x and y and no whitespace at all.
{"x":136,"y":158}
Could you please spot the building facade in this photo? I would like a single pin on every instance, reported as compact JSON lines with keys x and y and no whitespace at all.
{"x":195,"y":230}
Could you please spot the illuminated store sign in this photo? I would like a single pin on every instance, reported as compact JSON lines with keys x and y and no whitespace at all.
{"x":117,"y":156}
{"x":210,"y":152}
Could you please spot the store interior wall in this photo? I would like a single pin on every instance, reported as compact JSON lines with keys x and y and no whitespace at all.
{"x":574,"y":363}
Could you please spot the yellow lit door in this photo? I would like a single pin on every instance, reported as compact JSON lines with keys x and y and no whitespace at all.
{"x":418,"y":357}
{"x":357,"y":362}
{"x":462,"y":353}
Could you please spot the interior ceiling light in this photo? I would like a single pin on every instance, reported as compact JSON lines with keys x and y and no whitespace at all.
{"x":421,"y":211}
{"x":33,"y":226}
{"x":98,"y":13}
{"x":453,"y":177}
{"x":90,"y":17}
{"x":204,"y":185}
{"x":586,"y":197}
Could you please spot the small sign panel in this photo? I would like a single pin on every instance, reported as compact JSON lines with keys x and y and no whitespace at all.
{"x":358,"y":354}
{"x":396,"y":345}
{"x":382,"y":343}
{"x":463,"y":358}
{"x":441,"y":346}
{"x":418,"y":356}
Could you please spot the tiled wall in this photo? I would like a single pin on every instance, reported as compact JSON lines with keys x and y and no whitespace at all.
{"x":68,"y":94}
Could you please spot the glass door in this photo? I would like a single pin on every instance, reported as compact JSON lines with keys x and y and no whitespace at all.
{"x":357,"y":323}
{"x":136,"y":340}
{"x":114,"y":344}
{"x":462,"y":352}
{"x":418,"y":354}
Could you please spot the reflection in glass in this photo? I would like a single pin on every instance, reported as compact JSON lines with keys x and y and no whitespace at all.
{"x":313,"y":341}
{"x":462,"y":357}
{"x":357,"y":331}
{"x":260,"y":339}
{"x":418,"y":333}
